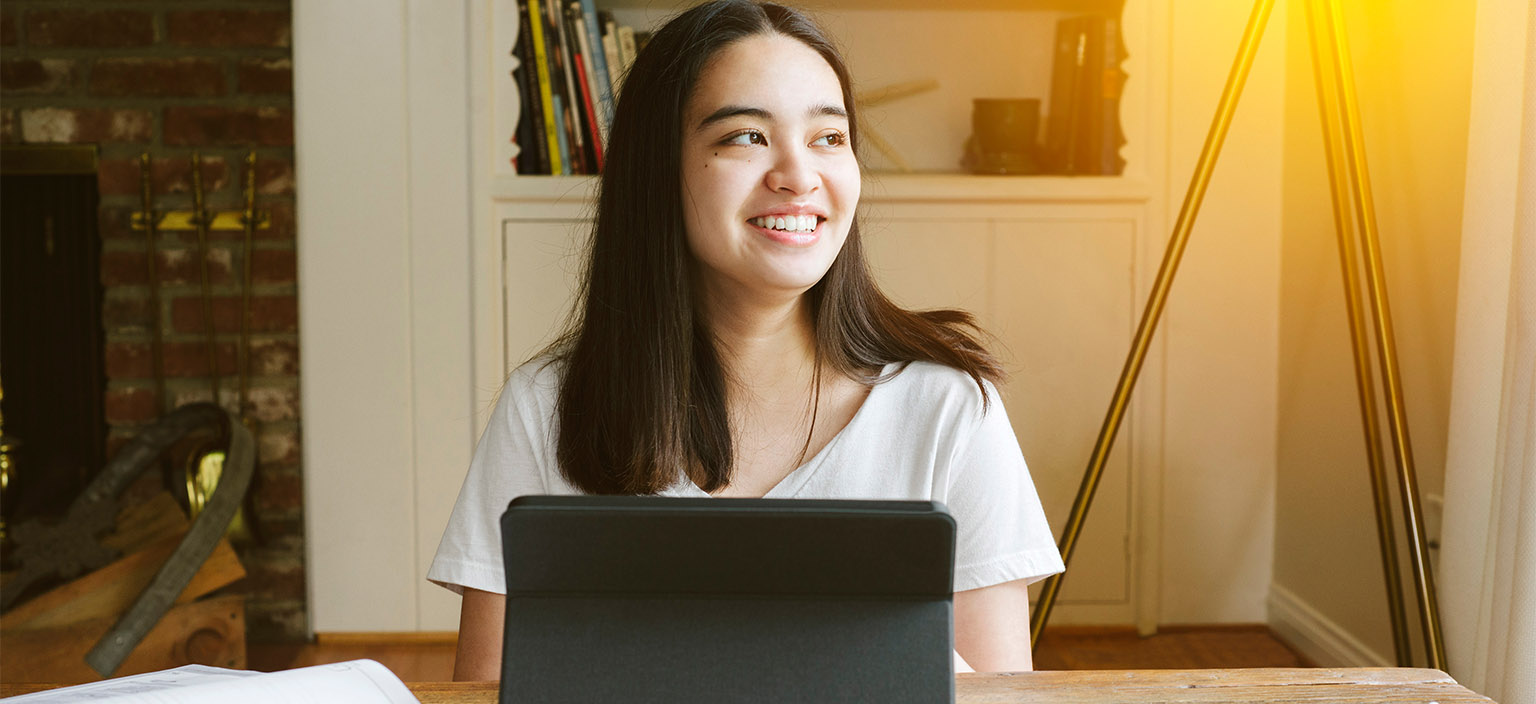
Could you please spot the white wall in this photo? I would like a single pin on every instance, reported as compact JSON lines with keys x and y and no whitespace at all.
{"x":1219,"y":438}
{"x":382,"y":155}
{"x":1413,"y":68}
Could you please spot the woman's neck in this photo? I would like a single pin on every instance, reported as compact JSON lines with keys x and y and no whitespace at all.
{"x":764,"y":344}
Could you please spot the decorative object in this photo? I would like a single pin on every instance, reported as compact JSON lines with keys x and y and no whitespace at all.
{"x":885,"y":94}
{"x":1003,"y":138}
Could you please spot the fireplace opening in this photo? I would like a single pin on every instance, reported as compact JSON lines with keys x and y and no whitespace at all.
{"x":52,"y":368}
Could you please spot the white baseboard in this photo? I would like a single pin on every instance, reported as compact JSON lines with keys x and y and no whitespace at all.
{"x":1321,"y":640}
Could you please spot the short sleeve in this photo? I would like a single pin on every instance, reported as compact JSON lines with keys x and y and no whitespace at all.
{"x":1002,"y":532}
{"x":509,"y":461}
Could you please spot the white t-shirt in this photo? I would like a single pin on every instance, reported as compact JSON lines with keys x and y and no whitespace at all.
{"x":921,"y":436}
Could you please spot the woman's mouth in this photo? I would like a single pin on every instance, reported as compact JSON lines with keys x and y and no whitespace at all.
{"x":797,"y":230}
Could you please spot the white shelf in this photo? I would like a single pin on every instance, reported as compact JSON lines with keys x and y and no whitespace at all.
{"x":1082,"y":6}
{"x":890,"y":42}
{"x":882,"y":187}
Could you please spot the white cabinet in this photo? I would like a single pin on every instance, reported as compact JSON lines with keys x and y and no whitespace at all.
{"x":1055,"y":268}
{"x":1048,"y":266}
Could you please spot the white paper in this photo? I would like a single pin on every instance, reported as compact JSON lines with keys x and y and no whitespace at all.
{"x":355,"y":682}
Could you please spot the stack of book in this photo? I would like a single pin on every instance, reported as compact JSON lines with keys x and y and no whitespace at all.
{"x":1083,"y":134}
{"x":571,"y":61}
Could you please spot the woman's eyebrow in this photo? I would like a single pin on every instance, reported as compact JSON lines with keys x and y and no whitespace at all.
{"x":729,"y":111}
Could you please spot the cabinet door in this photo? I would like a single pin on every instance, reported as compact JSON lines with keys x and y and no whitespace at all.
{"x":1057,"y":295}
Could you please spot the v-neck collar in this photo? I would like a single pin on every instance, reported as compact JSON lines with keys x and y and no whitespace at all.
{"x":790,"y":485}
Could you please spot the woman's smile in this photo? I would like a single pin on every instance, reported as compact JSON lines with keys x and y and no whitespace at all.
{"x":793,"y":225}
{"x":798,"y":232}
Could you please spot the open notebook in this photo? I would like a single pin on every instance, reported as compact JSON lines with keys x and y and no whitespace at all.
{"x":355,"y":682}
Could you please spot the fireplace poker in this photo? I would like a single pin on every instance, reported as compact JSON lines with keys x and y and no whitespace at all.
{"x":152,"y":257}
{"x":245,"y":292}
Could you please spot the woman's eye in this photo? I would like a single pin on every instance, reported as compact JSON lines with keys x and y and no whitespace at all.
{"x":748,"y":137}
{"x":836,"y":139}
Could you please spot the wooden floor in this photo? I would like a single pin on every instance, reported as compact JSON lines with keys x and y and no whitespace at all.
{"x":429,"y":658}
{"x":1173,"y":648}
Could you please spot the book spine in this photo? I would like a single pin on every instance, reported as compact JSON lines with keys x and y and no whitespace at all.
{"x":611,"y":52}
{"x":592,"y":135}
{"x":1058,"y":119}
{"x":546,"y":97}
{"x":1091,"y":113}
{"x":533,"y":155}
{"x":564,"y":144}
{"x":597,"y":62}
{"x":572,"y":102}
{"x":592,"y":120}
{"x":583,"y":96}
{"x":1072,"y":110}
{"x":627,"y":48}
{"x":587,"y":82}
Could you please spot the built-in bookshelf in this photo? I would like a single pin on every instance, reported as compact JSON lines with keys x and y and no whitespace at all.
{"x":969,"y":49}
{"x":1054,"y":266}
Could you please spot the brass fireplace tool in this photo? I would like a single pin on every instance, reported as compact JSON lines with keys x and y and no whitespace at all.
{"x":204,"y":466}
{"x":1349,"y":180}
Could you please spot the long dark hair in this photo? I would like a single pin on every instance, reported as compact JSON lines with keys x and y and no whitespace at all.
{"x":643,"y":397}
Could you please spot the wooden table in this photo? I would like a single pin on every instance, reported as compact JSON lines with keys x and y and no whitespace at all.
{"x":1135,"y":686}
{"x":1141,"y":687}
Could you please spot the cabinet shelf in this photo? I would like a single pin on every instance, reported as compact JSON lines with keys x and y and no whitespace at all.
{"x":1082,"y":6}
{"x":964,"y":49}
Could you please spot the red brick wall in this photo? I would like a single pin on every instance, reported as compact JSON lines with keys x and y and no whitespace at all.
{"x":170,"y":77}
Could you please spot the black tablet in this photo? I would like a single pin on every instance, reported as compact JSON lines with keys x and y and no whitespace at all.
{"x":656,"y":599}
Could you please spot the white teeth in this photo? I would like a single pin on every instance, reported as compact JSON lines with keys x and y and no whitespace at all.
{"x":790,"y":223}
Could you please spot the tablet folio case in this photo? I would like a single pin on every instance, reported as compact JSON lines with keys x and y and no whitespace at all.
{"x":652,"y":599}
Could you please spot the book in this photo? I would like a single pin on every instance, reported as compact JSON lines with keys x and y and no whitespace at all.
{"x":570,"y":98}
{"x":564,"y":144}
{"x":1083,"y":130}
{"x":533,"y":150}
{"x":546,"y":87}
{"x":586,"y":91}
{"x":1090,"y":111}
{"x":627,"y":50}
{"x":597,"y":61}
{"x":595,"y":139}
{"x":611,"y":53}
{"x":355,"y":682}
{"x":1066,"y":74}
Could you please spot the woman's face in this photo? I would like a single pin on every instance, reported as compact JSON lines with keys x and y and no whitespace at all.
{"x":769,"y":178}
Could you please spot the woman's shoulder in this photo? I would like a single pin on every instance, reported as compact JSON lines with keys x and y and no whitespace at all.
{"x":534,"y":384}
{"x":543,"y":371}
{"x":930,"y":383}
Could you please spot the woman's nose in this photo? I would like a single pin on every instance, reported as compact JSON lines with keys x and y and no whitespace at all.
{"x":792,"y":172}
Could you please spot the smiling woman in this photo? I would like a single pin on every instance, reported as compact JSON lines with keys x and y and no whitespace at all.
{"x":730,"y":340}
{"x":770,"y":181}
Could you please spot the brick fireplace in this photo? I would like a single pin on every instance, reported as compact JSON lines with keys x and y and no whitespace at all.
{"x":168,"y":78}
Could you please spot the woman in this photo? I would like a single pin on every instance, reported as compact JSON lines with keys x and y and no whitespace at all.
{"x":730,"y":340}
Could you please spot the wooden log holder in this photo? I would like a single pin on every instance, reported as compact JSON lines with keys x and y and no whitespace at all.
{"x":149,"y":601}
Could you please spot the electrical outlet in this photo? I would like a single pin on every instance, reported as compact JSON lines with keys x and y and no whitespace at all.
{"x":1434,"y":519}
